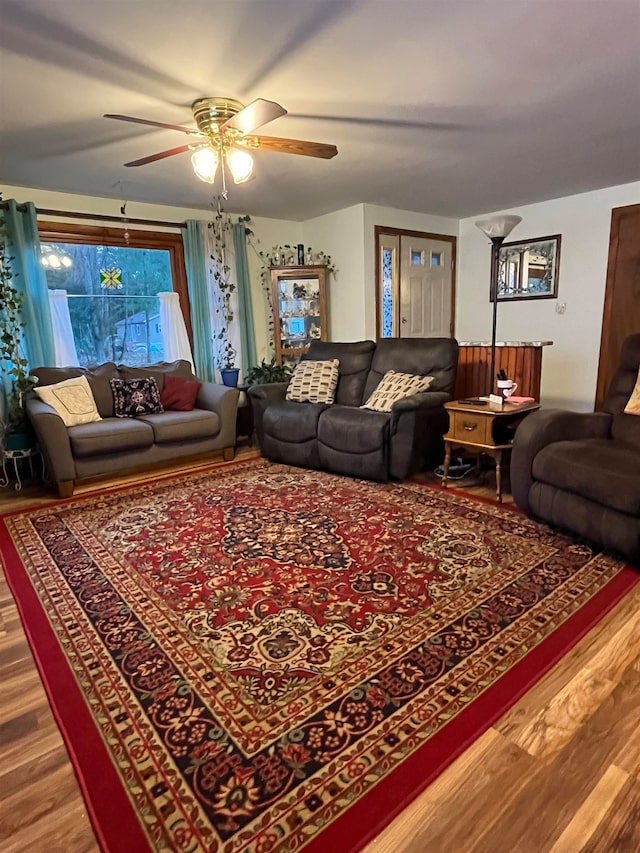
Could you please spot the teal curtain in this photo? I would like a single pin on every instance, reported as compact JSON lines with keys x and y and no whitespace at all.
{"x":196,"y":264}
{"x":245,"y":309}
{"x":29,"y":278}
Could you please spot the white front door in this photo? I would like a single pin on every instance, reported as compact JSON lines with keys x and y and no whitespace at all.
{"x":425,"y":287}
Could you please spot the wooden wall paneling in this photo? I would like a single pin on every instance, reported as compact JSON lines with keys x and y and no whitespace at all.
{"x":523,"y":364}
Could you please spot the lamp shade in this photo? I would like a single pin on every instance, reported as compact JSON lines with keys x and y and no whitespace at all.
{"x":498,"y":226}
{"x":240,"y":165}
{"x":205,"y":164}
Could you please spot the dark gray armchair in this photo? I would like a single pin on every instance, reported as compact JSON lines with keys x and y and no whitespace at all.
{"x":581,"y":471}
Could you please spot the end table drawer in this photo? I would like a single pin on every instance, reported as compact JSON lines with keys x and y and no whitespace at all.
{"x":470,"y":427}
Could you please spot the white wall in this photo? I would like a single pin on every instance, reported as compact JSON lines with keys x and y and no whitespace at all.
{"x":341,"y":235}
{"x":570,"y":366}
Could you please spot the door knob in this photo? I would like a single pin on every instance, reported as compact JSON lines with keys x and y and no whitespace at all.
{"x":404,"y":319}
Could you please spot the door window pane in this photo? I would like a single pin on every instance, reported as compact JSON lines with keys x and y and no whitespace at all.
{"x":437,"y":259}
{"x":417,"y":258}
{"x":113,"y":298}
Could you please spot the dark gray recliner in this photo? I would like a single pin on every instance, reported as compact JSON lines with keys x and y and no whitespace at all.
{"x":343,"y":438}
{"x":581,"y":471}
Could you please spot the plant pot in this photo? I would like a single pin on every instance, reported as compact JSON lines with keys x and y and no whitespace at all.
{"x":230,"y":376}
{"x":18,"y":441}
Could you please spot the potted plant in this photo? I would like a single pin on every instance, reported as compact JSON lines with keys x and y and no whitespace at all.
{"x":221,"y":226}
{"x":267,"y":373}
{"x":16,"y":430}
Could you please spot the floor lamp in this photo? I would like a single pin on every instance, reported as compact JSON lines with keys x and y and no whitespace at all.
{"x":497,"y":229}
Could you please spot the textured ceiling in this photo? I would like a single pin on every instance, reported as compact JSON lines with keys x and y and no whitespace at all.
{"x":450,"y":108}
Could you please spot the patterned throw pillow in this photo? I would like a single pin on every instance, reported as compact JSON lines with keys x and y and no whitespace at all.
{"x":314,"y":382}
{"x":72,"y":399}
{"x":135,"y":397}
{"x":633,"y":403}
{"x":396,"y":386}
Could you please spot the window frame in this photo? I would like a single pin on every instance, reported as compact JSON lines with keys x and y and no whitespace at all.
{"x":97,"y":235}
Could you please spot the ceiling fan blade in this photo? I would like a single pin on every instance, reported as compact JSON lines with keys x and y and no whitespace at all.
{"x":254,"y":115}
{"x":297,"y":146}
{"x":160,"y":156}
{"x":180,"y":127}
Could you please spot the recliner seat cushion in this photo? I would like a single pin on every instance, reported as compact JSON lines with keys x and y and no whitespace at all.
{"x":182,"y":426}
{"x":352,"y":430}
{"x":110,"y":435}
{"x":292,"y":422}
{"x":601,"y":470}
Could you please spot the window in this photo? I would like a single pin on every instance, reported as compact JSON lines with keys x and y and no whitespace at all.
{"x":113,"y":285}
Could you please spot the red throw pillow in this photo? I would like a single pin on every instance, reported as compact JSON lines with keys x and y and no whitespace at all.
{"x":179,"y":395}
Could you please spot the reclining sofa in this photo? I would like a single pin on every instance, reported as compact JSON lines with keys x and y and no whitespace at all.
{"x":115,"y":444}
{"x":581,"y":471}
{"x":344,"y":438}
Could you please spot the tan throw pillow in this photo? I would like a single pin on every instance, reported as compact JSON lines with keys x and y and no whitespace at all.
{"x":72,"y":400}
{"x":633,"y":403}
{"x":314,"y":382}
{"x":396,"y":386}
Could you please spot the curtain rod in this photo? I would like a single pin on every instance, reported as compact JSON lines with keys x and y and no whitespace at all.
{"x":123,"y":220}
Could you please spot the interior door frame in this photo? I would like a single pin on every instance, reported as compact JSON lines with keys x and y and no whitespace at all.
{"x":609,"y":356}
{"x":426,"y":235}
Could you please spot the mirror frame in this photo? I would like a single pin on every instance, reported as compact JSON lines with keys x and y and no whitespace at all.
{"x":514,"y":253}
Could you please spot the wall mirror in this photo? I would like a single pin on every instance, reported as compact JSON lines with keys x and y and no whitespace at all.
{"x":528,"y":269}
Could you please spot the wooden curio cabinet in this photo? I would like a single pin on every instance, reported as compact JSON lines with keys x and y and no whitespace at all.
{"x":299,"y":297}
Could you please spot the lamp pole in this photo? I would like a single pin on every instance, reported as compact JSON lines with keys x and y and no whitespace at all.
{"x":496,"y":243}
{"x":497,"y":229}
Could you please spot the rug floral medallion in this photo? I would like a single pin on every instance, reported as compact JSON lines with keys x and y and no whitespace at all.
{"x":260,"y":647}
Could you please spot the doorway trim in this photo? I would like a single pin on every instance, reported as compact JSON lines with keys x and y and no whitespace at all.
{"x":378,"y":230}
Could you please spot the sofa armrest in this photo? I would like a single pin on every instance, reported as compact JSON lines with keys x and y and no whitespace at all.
{"x":263,"y":396}
{"x":425,"y":399}
{"x":223,"y":400}
{"x":53,"y":438}
{"x":545,"y":427}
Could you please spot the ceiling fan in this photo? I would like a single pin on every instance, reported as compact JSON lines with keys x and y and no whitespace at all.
{"x":224,"y":135}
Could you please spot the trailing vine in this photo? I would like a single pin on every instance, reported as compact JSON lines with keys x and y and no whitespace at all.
{"x":221,"y":230}
{"x":11,"y":333}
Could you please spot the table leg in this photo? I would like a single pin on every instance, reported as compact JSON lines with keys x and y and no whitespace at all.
{"x":447,"y":462}
{"x":4,"y":481}
{"x":498,"y":458}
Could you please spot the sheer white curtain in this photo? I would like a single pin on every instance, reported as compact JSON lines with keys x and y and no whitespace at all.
{"x":173,"y":330}
{"x":215,"y":297}
{"x":63,"y":340}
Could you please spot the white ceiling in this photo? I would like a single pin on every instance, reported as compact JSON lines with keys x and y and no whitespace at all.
{"x":452,"y":108}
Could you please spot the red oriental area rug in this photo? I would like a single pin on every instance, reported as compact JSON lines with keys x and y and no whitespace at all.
{"x":260,"y":658}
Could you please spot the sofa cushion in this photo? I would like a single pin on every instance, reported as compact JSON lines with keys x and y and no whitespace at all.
{"x":353,"y":430}
{"x":396,"y":386}
{"x":111,"y":435}
{"x":604,"y":471}
{"x":179,"y":395}
{"x":72,"y":399}
{"x":183,"y":426}
{"x":180,"y":368}
{"x":355,"y":362}
{"x":98,"y":378}
{"x":437,"y":357}
{"x":135,"y":397}
{"x":293,"y":422}
{"x":314,"y":382}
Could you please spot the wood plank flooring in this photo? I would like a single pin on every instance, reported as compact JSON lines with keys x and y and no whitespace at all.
{"x":558,"y":773}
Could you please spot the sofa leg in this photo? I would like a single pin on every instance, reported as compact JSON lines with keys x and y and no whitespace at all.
{"x":228,"y":453}
{"x":65,"y":488}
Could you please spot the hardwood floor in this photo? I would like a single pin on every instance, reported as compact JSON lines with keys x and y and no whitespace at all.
{"x":558,"y":773}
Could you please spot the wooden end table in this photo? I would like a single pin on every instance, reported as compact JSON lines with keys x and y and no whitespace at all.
{"x":488,"y":428}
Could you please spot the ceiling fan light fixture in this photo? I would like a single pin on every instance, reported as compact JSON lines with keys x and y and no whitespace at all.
{"x":240,"y":165}
{"x":205,"y":164}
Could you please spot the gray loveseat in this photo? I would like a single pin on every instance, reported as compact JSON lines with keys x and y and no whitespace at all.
{"x":346,"y":439}
{"x":581,"y":471}
{"x":116,"y":444}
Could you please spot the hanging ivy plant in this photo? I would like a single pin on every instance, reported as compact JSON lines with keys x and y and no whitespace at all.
{"x":11,"y":333}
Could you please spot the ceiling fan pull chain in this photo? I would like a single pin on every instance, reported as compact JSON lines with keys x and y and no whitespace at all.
{"x":225,"y":194}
